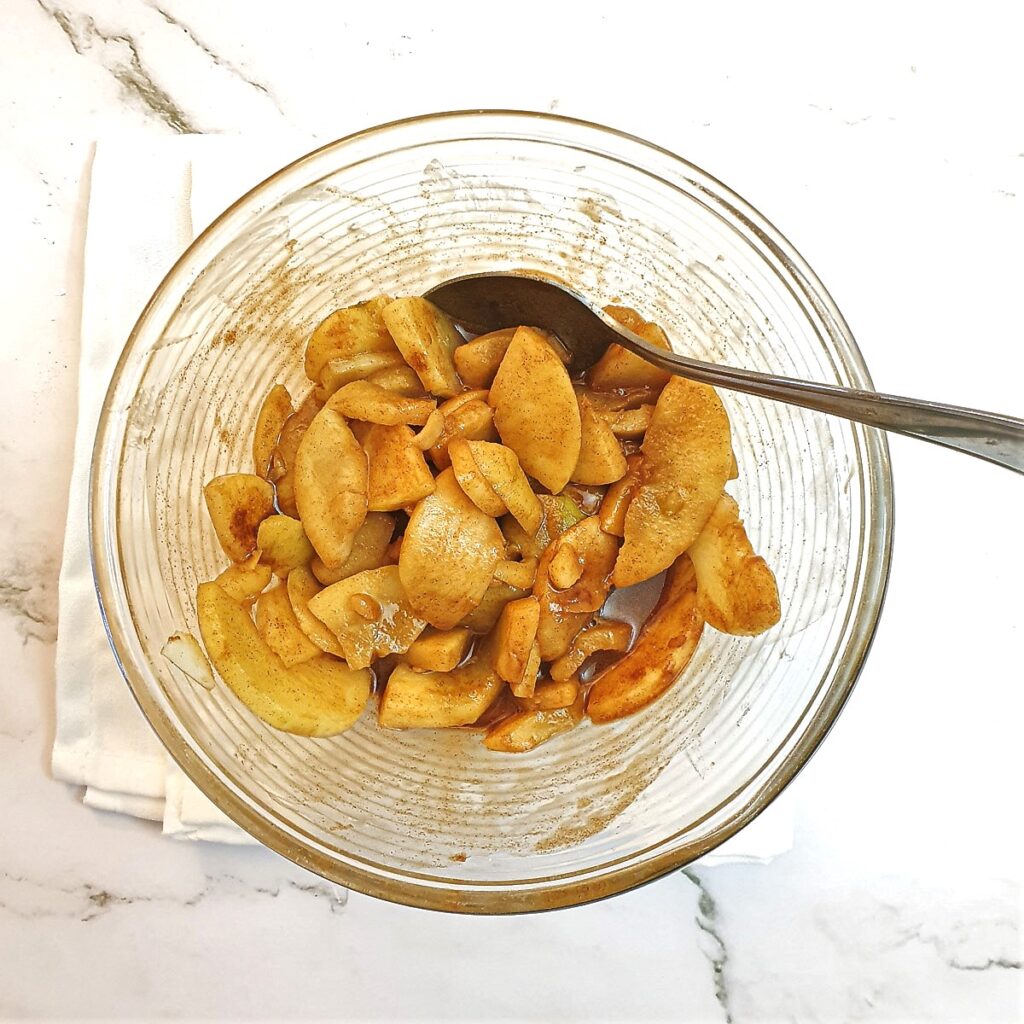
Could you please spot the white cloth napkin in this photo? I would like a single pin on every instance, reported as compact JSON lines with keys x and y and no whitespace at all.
{"x":147,"y":201}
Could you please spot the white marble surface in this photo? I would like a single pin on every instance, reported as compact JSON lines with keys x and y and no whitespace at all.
{"x":889,"y":146}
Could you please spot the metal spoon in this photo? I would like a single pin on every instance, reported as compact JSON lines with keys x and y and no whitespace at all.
{"x":489,"y":302}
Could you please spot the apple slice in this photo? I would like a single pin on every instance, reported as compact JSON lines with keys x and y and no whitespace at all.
{"x":468,"y":416}
{"x":618,"y":367}
{"x":517,"y":574}
{"x":244,"y":581}
{"x":603,"y":635}
{"x":472,"y":481}
{"x":238,"y":503}
{"x":687,"y":454}
{"x":601,"y":460}
{"x":439,"y":700}
{"x":330,"y":486}
{"x":661,"y":652}
{"x":273,"y":415}
{"x":564,"y":612}
{"x":630,"y":424}
{"x":282,"y":461}
{"x":535,"y":409}
{"x":343,"y":370}
{"x":398,"y":474}
{"x":183,"y":651}
{"x":426,"y":338}
{"x":277,"y":624}
{"x":284,"y":544}
{"x":363,"y":400}
{"x":448,"y":555}
{"x":549,"y":695}
{"x":348,"y":332}
{"x":302,"y":588}
{"x":736,"y":591}
{"x":615,"y":502}
{"x":500,"y":468}
{"x":320,"y":697}
{"x":515,"y":635}
{"x":478,"y":360}
{"x":370,"y":615}
{"x":529,"y":729}
{"x":369,"y":549}
{"x":400,"y":379}
{"x":438,"y":650}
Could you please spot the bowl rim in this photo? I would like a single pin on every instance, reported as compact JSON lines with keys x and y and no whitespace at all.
{"x":853,"y":647}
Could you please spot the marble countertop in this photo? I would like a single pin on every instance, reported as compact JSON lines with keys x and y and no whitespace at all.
{"x":889,"y":147}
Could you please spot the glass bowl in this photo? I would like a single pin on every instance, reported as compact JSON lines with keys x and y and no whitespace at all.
{"x":432,"y":819}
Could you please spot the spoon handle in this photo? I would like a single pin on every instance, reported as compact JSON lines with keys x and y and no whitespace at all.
{"x":990,"y":436}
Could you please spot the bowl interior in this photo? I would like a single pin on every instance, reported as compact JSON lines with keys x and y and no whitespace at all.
{"x":432,"y":818}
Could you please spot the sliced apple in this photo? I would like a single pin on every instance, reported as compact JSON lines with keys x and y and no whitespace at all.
{"x":343,"y":370}
{"x":279,"y":628}
{"x":535,"y":409}
{"x":284,"y":544}
{"x":330,"y":486}
{"x":470,"y":479}
{"x":426,"y":338}
{"x":348,"y":332}
{"x":612,"y":513}
{"x":687,"y":454}
{"x":302,"y":588}
{"x":527,"y":730}
{"x":438,"y":650}
{"x":320,"y":697}
{"x":244,"y":581}
{"x":515,"y":635}
{"x":603,"y":635}
{"x":448,"y":555}
{"x":478,"y":360}
{"x":601,"y":460}
{"x":630,"y":424}
{"x":661,"y":652}
{"x":526,"y":685}
{"x":366,"y":401}
{"x":238,"y":503}
{"x":439,"y":700}
{"x":734,"y":466}
{"x":430,"y":433}
{"x":564,"y":612}
{"x":400,"y":379}
{"x":183,"y":651}
{"x":370,"y":614}
{"x":484,"y":617}
{"x":517,"y":574}
{"x":398,"y":474}
{"x":500,"y":468}
{"x":472,"y":419}
{"x":282,"y":460}
{"x":273,"y":415}
{"x":368,"y":549}
{"x":619,"y":368}
{"x":736,"y":590}
{"x":549,"y":695}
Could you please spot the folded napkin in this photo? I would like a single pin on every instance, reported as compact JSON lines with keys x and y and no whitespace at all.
{"x":147,"y":201}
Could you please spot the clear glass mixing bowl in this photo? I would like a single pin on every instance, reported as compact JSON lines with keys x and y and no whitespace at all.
{"x":433,"y":819}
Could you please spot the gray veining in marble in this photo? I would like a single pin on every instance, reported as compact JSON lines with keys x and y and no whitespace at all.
{"x":118,"y":53}
{"x":711,"y":942}
{"x":221,"y":62}
{"x":28,"y":595}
